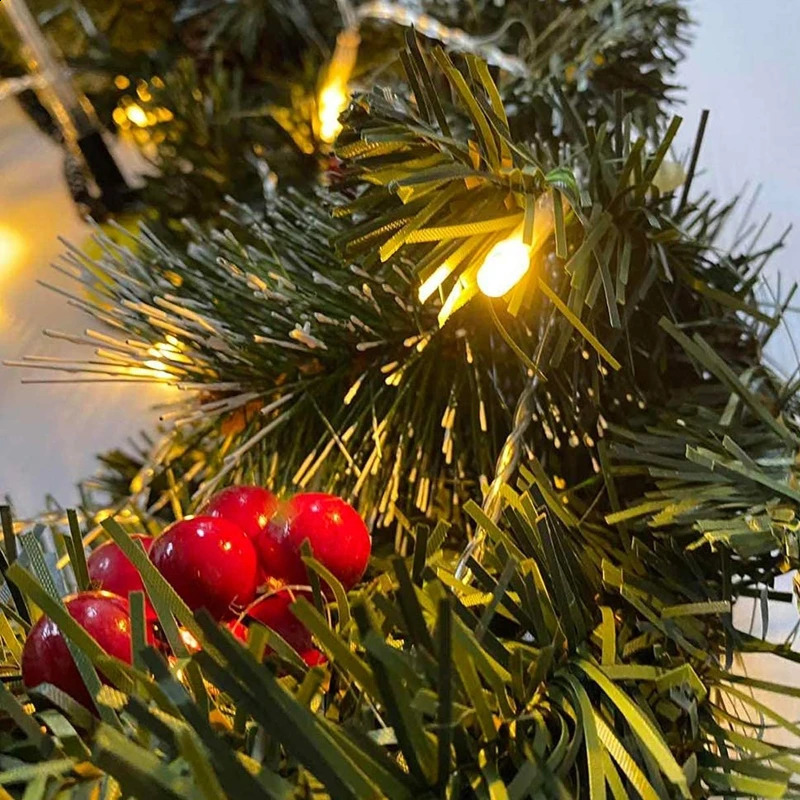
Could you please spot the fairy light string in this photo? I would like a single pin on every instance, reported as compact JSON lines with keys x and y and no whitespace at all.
{"x":333,"y":95}
{"x":453,"y":37}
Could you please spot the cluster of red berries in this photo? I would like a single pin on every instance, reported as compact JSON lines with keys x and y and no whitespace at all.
{"x":242,"y":555}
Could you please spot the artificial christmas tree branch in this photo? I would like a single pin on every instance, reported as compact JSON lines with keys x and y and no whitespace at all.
{"x":232,"y":380}
{"x":507,"y":463}
{"x":255,"y":69}
{"x":604,"y":438}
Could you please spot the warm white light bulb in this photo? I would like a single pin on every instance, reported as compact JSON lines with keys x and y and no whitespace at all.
{"x":137,"y":115}
{"x":332,"y":101}
{"x":12,"y":249}
{"x":503,"y":267}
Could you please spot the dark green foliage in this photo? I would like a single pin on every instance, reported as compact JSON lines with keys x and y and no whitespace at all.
{"x":332,"y":329}
{"x":563,"y":670}
{"x":216,"y":137}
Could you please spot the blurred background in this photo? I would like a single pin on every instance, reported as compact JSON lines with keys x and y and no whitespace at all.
{"x":49,"y":433}
{"x":743,"y":66}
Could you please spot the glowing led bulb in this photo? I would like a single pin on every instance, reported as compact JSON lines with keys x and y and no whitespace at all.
{"x":332,"y":101}
{"x":504,"y":266}
{"x":334,"y":96}
{"x":12,"y":248}
{"x":137,"y":115}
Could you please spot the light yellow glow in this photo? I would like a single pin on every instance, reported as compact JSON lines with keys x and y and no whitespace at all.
{"x":332,"y":101}
{"x":137,"y":115}
{"x":189,"y":640}
{"x":334,"y":96}
{"x":163,"y":350}
{"x":153,"y":369}
{"x":166,"y":351}
{"x":429,"y":286}
{"x":154,"y":364}
{"x":119,"y":116}
{"x":504,"y":266}
{"x":12,"y":249}
{"x":143,"y":92}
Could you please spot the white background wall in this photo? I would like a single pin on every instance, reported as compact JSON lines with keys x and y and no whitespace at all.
{"x":49,"y":434}
{"x":745,"y":67}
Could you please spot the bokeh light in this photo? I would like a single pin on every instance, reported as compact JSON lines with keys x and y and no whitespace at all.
{"x":12,"y":249}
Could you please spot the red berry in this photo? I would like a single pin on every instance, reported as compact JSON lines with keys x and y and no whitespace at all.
{"x":209,"y":562}
{"x":110,"y":569}
{"x":273,"y":610}
{"x":46,"y":657}
{"x":313,"y":657}
{"x":338,"y":537}
{"x":238,"y":629}
{"x":250,"y":507}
